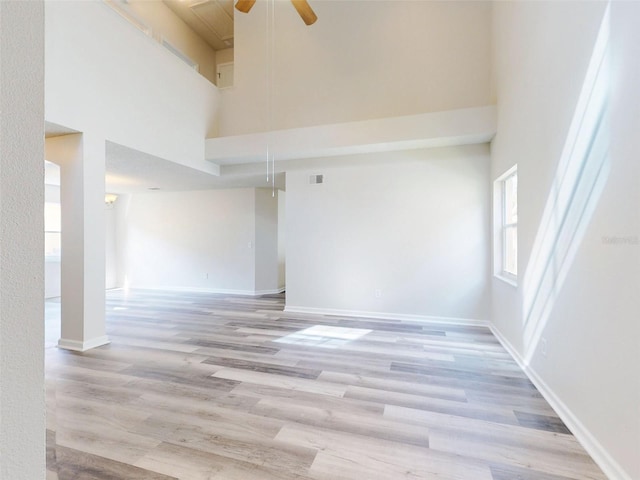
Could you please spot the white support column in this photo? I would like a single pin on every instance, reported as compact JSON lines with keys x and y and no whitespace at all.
{"x":22,"y":406}
{"x":82,"y":169}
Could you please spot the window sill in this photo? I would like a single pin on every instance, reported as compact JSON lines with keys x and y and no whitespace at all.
{"x":509,"y":280}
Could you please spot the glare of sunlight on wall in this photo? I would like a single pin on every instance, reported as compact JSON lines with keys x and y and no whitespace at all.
{"x":580,"y":178}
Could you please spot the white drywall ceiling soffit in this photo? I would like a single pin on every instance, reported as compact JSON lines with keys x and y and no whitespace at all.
{"x":449,"y":128}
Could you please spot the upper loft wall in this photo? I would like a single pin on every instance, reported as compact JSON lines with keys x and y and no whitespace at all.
{"x":103,"y":75}
{"x":167,"y":25}
{"x":224,"y":56}
{"x":361,"y":60}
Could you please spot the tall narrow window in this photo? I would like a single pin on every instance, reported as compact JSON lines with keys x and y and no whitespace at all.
{"x":52,"y":241}
{"x":510,"y":225}
{"x":506,"y":226}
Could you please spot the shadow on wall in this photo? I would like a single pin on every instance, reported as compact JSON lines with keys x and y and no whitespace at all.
{"x":579,"y":181}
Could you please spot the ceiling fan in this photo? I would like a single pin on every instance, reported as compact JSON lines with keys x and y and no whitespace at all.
{"x":302,"y":6}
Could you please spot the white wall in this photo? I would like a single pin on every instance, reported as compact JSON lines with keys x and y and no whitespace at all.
{"x":22,"y":406}
{"x":360,"y":60}
{"x":266,"y":208}
{"x":166,"y":24}
{"x":413,"y":224}
{"x":111,"y":248}
{"x":282,"y":238}
{"x":177,"y":239}
{"x":225,"y":56}
{"x":121,"y":207}
{"x":215,"y":240}
{"x":97,"y":83}
{"x":590,"y":370}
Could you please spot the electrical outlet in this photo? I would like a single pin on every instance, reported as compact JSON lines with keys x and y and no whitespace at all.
{"x":206,"y":276}
{"x":543,"y":346}
{"x":378,"y":293}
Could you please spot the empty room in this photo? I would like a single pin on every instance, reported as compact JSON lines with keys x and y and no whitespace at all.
{"x":323,"y":239}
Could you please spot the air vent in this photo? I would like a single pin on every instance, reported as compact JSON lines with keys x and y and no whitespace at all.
{"x":316,"y":179}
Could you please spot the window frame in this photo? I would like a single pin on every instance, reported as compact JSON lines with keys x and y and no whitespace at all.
{"x":502,"y":226}
{"x":52,"y":230}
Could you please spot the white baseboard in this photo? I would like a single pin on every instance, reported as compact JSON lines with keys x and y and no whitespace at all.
{"x":78,"y":346}
{"x":269,"y":292}
{"x":598,"y":453}
{"x":220,"y":291}
{"x":386,"y":315}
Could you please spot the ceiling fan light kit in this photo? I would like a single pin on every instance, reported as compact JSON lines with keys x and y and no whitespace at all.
{"x":302,"y":7}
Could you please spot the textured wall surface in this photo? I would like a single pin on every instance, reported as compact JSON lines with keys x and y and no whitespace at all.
{"x":22,"y":411}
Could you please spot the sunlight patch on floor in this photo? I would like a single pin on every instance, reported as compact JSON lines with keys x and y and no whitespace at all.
{"x":324,"y":336}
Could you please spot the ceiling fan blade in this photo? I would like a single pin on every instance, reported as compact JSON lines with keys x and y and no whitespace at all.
{"x":244,"y":5}
{"x":305,"y":11}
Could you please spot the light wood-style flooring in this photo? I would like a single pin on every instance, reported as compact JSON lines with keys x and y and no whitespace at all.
{"x":197,"y":386}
